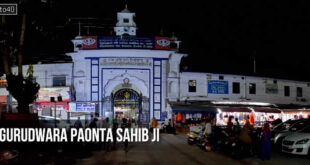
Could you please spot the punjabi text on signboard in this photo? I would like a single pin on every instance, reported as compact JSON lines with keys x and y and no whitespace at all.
{"x":217,"y":87}
{"x":125,"y":42}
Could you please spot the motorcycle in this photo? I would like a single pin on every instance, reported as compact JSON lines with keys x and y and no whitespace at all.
{"x":219,"y":141}
{"x":205,"y":143}
{"x":193,"y":137}
{"x":238,"y":149}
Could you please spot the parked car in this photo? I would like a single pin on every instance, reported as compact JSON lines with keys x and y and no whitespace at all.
{"x":286,"y":129}
{"x":297,"y":143}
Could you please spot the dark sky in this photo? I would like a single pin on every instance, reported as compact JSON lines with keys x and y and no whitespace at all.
{"x":219,"y":36}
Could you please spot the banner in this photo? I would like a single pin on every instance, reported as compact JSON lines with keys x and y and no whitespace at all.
{"x":125,"y":42}
{"x":272,"y":88}
{"x":217,"y":87}
{"x":45,"y":94}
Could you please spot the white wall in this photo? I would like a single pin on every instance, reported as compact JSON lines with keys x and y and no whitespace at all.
{"x":44,"y":73}
{"x":260,"y":96}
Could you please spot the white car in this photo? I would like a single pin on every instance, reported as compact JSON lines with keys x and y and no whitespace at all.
{"x":296,"y":126}
{"x":298,"y":143}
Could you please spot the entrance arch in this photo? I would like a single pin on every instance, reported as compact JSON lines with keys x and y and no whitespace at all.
{"x":127,"y":103}
{"x":128,"y":100}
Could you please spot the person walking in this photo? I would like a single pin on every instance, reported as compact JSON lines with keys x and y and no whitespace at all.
{"x":124,"y":126}
{"x":78,"y":123}
{"x":229,"y":125}
{"x":208,"y":128}
{"x":86,"y":123}
{"x":266,"y":145}
{"x":93,"y":123}
{"x":114,"y":128}
{"x":106,"y":125}
{"x":153,"y":124}
{"x":237,"y":127}
{"x":244,"y":134}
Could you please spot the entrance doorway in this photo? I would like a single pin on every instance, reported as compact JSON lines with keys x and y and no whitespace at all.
{"x":127,"y":104}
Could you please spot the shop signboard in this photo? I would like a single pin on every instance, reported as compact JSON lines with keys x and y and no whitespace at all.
{"x":272,"y":88}
{"x":125,"y":42}
{"x":217,"y":87}
{"x":82,"y":107}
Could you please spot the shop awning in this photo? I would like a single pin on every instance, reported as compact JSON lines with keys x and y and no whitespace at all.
{"x":64,"y":104}
{"x":266,"y":110}
{"x":235,"y":109}
{"x":193,"y":109}
{"x":296,"y":110}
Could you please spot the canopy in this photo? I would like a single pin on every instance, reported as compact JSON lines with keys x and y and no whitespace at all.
{"x":193,"y":109}
{"x":235,"y":109}
{"x":266,"y":110}
{"x":295,"y":110}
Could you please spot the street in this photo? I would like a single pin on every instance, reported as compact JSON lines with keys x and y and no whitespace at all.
{"x":173,"y":149}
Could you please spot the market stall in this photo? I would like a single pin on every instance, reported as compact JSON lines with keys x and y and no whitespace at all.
{"x":241,"y":113}
{"x":191,"y":117}
{"x":264,"y":114}
{"x":294,"y":114}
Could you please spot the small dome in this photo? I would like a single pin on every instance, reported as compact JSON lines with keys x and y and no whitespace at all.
{"x":125,"y":10}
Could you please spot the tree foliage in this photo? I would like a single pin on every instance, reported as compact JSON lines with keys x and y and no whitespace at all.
{"x":23,"y":90}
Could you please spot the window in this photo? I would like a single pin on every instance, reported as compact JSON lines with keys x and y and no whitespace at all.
{"x":221,"y":77}
{"x":275,"y":81}
{"x":192,"y":86}
{"x":252,"y":88}
{"x":299,"y":91}
{"x":126,"y":20}
{"x":236,"y":87}
{"x":286,"y":91}
{"x":59,"y":81}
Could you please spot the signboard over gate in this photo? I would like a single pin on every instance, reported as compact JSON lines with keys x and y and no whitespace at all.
{"x":125,"y":42}
{"x":82,"y":107}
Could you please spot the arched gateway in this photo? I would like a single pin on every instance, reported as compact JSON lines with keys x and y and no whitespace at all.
{"x":127,"y":101}
{"x":127,"y":104}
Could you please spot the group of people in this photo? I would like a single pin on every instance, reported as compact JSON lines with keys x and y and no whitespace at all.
{"x":243,"y":134}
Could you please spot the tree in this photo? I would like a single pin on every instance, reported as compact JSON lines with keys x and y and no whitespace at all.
{"x":23,"y":90}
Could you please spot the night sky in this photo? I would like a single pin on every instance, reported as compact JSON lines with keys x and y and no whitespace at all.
{"x":219,"y":36}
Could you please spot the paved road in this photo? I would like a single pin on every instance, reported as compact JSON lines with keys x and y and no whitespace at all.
{"x":173,"y":149}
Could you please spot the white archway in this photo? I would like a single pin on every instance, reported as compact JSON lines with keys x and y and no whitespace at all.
{"x":136,"y":83}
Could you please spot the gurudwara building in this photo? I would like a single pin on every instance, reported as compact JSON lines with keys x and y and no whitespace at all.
{"x":139,"y":77}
